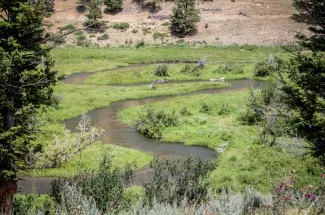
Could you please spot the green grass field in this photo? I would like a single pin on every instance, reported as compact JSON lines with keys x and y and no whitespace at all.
{"x":91,"y":157}
{"x":74,"y":60}
{"x":145,"y":74}
{"x":244,"y":162}
{"x":239,"y":166}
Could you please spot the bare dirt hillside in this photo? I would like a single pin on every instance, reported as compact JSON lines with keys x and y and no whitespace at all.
{"x":223,"y":22}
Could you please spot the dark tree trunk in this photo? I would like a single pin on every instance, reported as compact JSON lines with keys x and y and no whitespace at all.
{"x":8,"y":188}
{"x":7,"y":192}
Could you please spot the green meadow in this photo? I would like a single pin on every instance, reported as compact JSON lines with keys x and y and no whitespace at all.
{"x":242,"y":162}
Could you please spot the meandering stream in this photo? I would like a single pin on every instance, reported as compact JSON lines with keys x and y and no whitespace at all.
{"x":119,"y":134}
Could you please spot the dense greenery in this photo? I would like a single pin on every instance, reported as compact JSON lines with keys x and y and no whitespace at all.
{"x":313,"y":12}
{"x":258,"y":166}
{"x":106,"y":185}
{"x":184,"y":18}
{"x":152,"y":123}
{"x":26,"y":87}
{"x":114,"y":6}
{"x":176,"y":179}
{"x":94,"y":12}
{"x":304,"y":93}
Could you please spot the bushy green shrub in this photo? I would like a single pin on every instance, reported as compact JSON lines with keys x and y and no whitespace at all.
{"x":106,"y":186}
{"x":146,"y":31}
{"x":224,"y":109}
{"x":139,"y":44}
{"x":184,"y":18}
{"x":230,"y":68}
{"x":185,"y":112}
{"x":191,"y":70}
{"x":176,"y":179}
{"x":161,"y":70}
{"x":95,"y":26}
{"x":258,"y":102}
{"x":159,"y":35}
{"x":153,"y":123}
{"x":69,"y":27}
{"x":123,"y":26}
{"x":113,"y":6}
{"x":165,"y":24}
{"x":31,"y":204}
{"x":103,"y":37}
{"x":269,"y":66}
{"x":82,"y":6}
{"x":82,"y":41}
{"x":205,"y":108}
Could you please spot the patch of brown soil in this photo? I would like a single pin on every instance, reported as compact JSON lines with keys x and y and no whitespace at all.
{"x":256,"y":22}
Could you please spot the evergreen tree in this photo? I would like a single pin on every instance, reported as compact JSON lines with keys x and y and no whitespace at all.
{"x":114,"y":6}
{"x":304,"y":89}
{"x":184,"y":18}
{"x":94,"y":13}
{"x":314,"y":11}
{"x":26,"y":87}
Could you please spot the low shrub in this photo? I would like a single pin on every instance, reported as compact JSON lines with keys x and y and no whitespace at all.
{"x":191,"y":70}
{"x":159,"y":35}
{"x":78,"y":33}
{"x":165,"y":24}
{"x":269,"y":66}
{"x":95,"y":26}
{"x":113,"y":6}
{"x":140,"y":44}
{"x":205,"y":108}
{"x":146,"y":30}
{"x":123,"y":26}
{"x":153,"y":123}
{"x":224,"y":109}
{"x":31,"y":204}
{"x":161,"y":70}
{"x":174,"y":180}
{"x":82,"y":41}
{"x":134,"y":31}
{"x":185,"y":112}
{"x":230,"y":68}
{"x":69,"y":27}
{"x":103,"y":37}
{"x":106,"y":186}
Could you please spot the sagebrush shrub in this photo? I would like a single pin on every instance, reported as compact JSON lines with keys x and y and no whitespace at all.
{"x":269,"y":66}
{"x":123,"y":26}
{"x":191,"y":70}
{"x":176,"y":179}
{"x":161,"y":70}
{"x":230,"y":68}
{"x":106,"y":186}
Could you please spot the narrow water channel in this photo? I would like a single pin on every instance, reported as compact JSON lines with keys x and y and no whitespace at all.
{"x":119,"y":134}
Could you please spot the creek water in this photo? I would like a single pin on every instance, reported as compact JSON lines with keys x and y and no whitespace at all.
{"x":118,"y":133}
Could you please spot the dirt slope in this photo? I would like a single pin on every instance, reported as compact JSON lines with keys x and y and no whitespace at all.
{"x":259,"y":22}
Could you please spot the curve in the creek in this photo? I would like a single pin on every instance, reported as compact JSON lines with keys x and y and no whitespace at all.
{"x":119,"y":134}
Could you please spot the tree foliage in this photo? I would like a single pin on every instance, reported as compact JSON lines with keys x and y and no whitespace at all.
{"x":94,"y":12}
{"x":26,"y":83}
{"x":184,"y":18}
{"x":304,"y":90}
{"x":114,"y":6}
{"x":314,"y":11}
